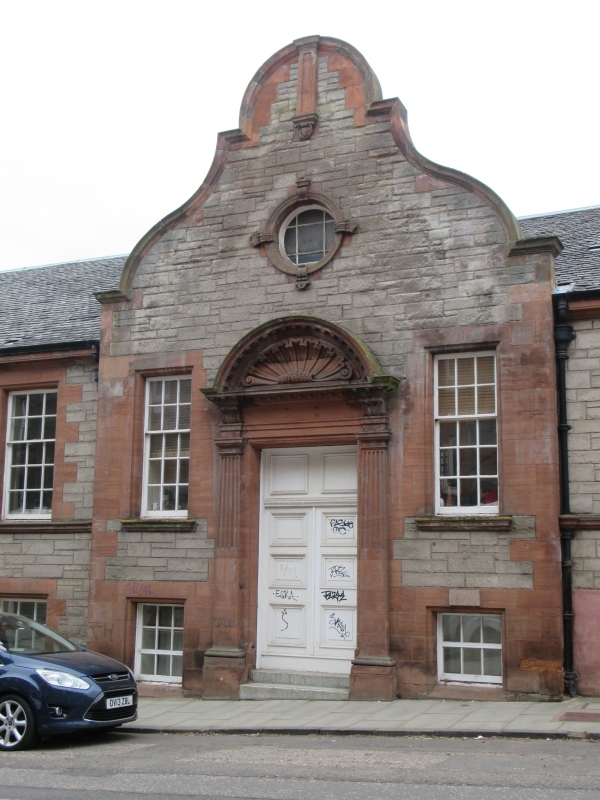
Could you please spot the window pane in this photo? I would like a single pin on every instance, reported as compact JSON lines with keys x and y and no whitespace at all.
{"x":465,"y":371}
{"x":41,"y":613}
{"x":290,"y":241}
{"x":32,"y":502}
{"x":451,"y":627}
{"x":165,"y":616}
{"x":311,"y":216}
{"x":185,"y":391}
{"x":170,"y":473}
{"x":184,"y":470}
{"x":184,"y":417}
{"x":178,"y":617}
{"x":35,"y":454}
{"x":163,"y":665}
{"x":15,"y":502}
{"x":170,"y":392}
{"x":329,"y":235}
{"x":468,"y":432}
{"x":148,"y":638}
{"x":27,"y":609}
{"x":155,"y":392}
{"x":489,"y":491}
{"x":471,"y":628}
{"x":20,"y":405}
{"x":468,"y":492}
{"x":34,"y":428}
{"x":466,"y":400}
{"x":492,"y":662}
{"x":485,"y":369}
{"x":168,"y":496}
{"x":147,"y":664}
{"x":48,"y":477}
{"x":156,"y":443}
{"x":46,"y":502}
{"x":19,"y":453}
{"x":149,"y":615}
{"x":17,"y":478}
{"x":487,"y":431}
{"x":154,"y":471}
{"x":492,"y":629}
{"x":49,"y":428}
{"x":164,"y":640}
{"x":452,"y":660}
{"x":51,"y":403}
{"x":488,"y":461}
{"x":49,"y":453}
{"x":446,"y":372}
{"x":447,"y":434}
{"x":311,"y":238}
{"x":169,"y":418}
{"x":184,"y":444}
{"x":310,"y":258}
{"x":177,"y":669}
{"x":448,"y":462}
{"x":178,"y":640}
{"x":171,"y":441}
{"x":36,"y":404}
{"x":154,"y":498}
{"x":486,"y":402}
{"x":446,"y":406}
{"x":472,"y":661}
{"x":183,"y":498}
{"x":19,"y":427}
{"x":155,"y":416}
{"x":34,"y":478}
{"x":468,"y":461}
{"x":448,"y":491}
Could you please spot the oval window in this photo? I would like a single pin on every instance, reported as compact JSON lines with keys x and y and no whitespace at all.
{"x":308,"y":235}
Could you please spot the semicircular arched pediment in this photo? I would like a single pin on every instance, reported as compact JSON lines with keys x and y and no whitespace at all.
{"x":296,"y":352}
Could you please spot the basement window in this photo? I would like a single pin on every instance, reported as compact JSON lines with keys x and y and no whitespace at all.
{"x":470,"y":648}
{"x":159,"y":643}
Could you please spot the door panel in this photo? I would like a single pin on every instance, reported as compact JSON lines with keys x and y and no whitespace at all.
{"x":307,"y":559}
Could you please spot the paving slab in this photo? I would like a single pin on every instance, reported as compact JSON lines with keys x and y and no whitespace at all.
{"x":400,"y":717}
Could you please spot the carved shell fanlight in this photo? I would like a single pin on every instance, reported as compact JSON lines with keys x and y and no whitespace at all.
{"x":298,"y":359}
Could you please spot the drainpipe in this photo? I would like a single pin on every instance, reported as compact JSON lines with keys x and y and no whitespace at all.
{"x":563,"y":335}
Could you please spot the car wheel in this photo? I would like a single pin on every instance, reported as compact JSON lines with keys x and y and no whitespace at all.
{"x":17,"y":723}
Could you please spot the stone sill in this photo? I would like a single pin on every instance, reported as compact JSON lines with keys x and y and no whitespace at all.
{"x":479,"y":523}
{"x":579,"y":522}
{"x":45,"y":526}
{"x":177,"y":524}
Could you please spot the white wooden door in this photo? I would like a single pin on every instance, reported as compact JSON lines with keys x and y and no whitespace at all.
{"x":307,"y":559}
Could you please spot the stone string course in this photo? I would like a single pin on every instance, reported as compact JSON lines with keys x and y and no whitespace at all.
{"x":64,"y":557}
{"x":158,"y":556}
{"x":470,"y":559}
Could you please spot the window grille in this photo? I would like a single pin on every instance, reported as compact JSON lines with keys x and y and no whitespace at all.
{"x":159,"y":650}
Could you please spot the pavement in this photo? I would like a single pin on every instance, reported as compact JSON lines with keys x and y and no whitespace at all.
{"x":573,"y":718}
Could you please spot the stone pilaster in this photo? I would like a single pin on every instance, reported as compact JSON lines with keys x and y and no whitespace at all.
{"x":225,"y":662}
{"x":373,"y":674}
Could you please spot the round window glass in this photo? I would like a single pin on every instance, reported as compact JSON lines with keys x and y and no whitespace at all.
{"x":308,"y":235}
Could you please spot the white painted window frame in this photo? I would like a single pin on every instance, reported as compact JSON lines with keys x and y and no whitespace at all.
{"x":147,"y":433}
{"x":451,"y":677}
{"x":139,"y":625}
{"x":492,"y":509}
{"x":8,"y":456}
{"x":37,"y":600}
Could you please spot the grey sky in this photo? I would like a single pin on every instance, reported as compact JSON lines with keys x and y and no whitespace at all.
{"x":110,"y":110}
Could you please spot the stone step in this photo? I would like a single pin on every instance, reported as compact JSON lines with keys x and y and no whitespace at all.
{"x":324,"y":680}
{"x":282,"y":691}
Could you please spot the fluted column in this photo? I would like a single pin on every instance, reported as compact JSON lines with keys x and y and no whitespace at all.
{"x":225,"y":662}
{"x":373,"y":674}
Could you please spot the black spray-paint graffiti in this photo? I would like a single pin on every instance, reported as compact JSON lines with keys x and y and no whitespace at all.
{"x":338,"y":571}
{"x":339,"y":595}
{"x":283,"y":619}
{"x":285,"y":594}
{"x":341,"y":526}
{"x":338,"y":625}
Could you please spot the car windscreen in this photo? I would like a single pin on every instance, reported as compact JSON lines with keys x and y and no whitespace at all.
{"x":24,"y":636}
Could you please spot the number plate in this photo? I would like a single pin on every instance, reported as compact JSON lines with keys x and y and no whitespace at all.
{"x":118,"y":702}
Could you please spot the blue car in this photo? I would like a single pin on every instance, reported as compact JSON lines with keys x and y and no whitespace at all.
{"x":50,"y":685}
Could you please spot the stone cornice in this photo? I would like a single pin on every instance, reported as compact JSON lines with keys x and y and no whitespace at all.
{"x":541,"y":244}
{"x":579,"y":522}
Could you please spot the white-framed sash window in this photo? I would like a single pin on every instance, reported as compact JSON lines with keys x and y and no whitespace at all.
{"x":159,"y":643}
{"x":167,"y":447}
{"x":34,"y":609}
{"x":469,"y":648}
{"x":30,"y":445}
{"x":466,"y":434}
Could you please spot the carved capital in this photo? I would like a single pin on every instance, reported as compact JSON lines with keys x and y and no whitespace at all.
{"x":304,"y":126}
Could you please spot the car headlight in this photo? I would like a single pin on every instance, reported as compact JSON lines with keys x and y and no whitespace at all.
{"x":62,"y":679}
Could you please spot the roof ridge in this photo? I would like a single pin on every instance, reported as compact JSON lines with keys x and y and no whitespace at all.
{"x":556,"y":213}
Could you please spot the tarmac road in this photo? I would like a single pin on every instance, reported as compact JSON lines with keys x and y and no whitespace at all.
{"x":124,"y":765}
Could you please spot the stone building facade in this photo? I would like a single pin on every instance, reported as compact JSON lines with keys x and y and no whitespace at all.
{"x":321,"y":451}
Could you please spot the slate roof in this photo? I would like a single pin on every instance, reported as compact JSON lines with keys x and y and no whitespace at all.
{"x":577,"y":267}
{"x":54,"y":304}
